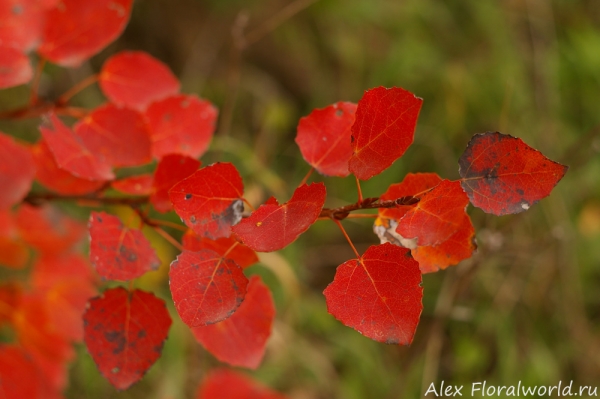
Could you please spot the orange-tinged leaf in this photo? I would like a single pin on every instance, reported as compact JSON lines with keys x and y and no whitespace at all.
{"x":205,"y":287}
{"x":15,"y":67}
{"x":117,"y":252}
{"x":79,"y":29}
{"x":135,"y":185}
{"x":384,"y":128}
{"x":240,"y":340}
{"x":413,"y":184}
{"x":436,"y":216}
{"x":18,"y":375}
{"x":13,"y":251}
{"x":135,"y":79}
{"x":171,"y":169}
{"x":182,"y":124}
{"x":229,"y":384}
{"x":209,"y":201}
{"x":273,"y":226}
{"x":379,"y":294}
{"x":16,"y":171}
{"x":503,"y":175}
{"x":125,"y":332}
{"x":324,"y":138}
{"x":227,"y":247}
{"x":120,"y":136}
{"x":71,"y":153}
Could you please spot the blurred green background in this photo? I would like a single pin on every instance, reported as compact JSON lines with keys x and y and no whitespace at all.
{"x":525,"y":308}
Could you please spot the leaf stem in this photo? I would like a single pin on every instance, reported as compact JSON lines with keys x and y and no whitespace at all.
{"x":35,"y":83}
{"x":360,"y":195}
{"x":347,"y":237}
{"x":63,"y":99}
{"x":307,"y":176}
{"x":168,"y":237}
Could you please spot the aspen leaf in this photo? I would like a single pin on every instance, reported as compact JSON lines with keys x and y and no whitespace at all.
{"x":171,"y":169}
{"x":227,"y":247}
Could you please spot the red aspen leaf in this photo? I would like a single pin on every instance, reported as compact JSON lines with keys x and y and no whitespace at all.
{"x":171,"y":169}
{"x":47,"y":229}
{"x":273,"y":226}
{"x":79,"y":29}
{"x":124,"y":333}
{"x":22,"y":22}
{"x":209,"y":201}
{"x":118,"y":252}
{"x":18,"y":374}
{"x":229,"y":384}
{"x":135,"y":79}
{"x":16,"y":171}
{"x":458,"y":247}
{"x":182,"y":124}
{"x":412,"y":185}
{"x":10,"y":298}
{"x":51,"y":176}
{"x":227,"y":247}
{"x":379,"y":294}
{"x":206,"y":288}
{"x":324,"y":138}
{"x":135,"y":185}
{"x":384,"y":128}
{"x":15,"y":68}
{"x":119,"y":136}
{"x":241,"y":339}
{"x":13,"y":251}
{"x":71,"y":154}
{"x":437,"y":215}
{"x":503,"y":175}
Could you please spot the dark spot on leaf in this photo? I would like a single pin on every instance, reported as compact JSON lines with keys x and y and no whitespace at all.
{"x":141,"y":334}
{"x":188,"y":196}
{"x":117,"y":338}
{"x":339,"y":113}
{"x":192,"y":219}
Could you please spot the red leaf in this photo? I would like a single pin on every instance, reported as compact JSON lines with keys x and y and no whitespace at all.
{"x":135,"y":79}
{"x":13,"y":251}
{"x":71,"y":154}
{"x":15,"y":68}
{"x":181,"y":124}
{"x":171,"y":169}
{"x":124,"y":333}
{"x":10,"y":298}
{"x":324,"y":138}
{"x":273,"y":226}
{"x":379,"y":294}
{"x":413,"y":184}
{"x":436,"y":216}
{"x":119,"y":136}
{"x":51,"y":176}
{"x":22,"y":22}
{"x":135,"y":185}
{"x":79,"y":29}
{"x":48,"y":229}
{"x":241,"y":339}
{"x":117,"y":252}
{"x":229,"y":384}
{"x":209,"y":201}
{"x":503,"y":175}
{"x":16,"y":171}
{"x":18,"y":375}
{"x":205,"y":287}
{"x":227,"y":247}
{"x":384,"y":128}
{"x":458,"y":247}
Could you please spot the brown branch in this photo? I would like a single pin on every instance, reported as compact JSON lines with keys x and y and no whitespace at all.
{"x":342,"y":213}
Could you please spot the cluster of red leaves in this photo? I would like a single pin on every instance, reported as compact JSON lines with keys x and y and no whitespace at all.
{"x":422,"y":221}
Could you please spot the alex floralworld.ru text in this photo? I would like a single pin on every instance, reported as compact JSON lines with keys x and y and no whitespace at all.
{"x":483,"y":389}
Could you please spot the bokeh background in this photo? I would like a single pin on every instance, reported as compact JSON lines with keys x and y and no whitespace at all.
{"x":525,"y":308}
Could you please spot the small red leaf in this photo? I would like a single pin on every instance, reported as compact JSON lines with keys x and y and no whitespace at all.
{"x":229,"y":384}
{"x":205,"y":287}
{"x":51,"y":176}
{"x":273,"y":226}
{"x":119,"y":136}
{"x":413,"y":184}
{"x":71,"y":154}
{"x":117,"y":252}
{"x":16,"y":171}
{"x":379,"y":294}
{"x":458,"y":247}
{"x":227,"y":247}
{"x":324,"y":138}
{"x":79,"y":29}
{"x":171,"y":169}
{"x":124,"y":333}
{"x":503,"y":175}
{"x":436,"y":216}
{"x":18,"y":375}
{"x":209,"y":201}
{"x":15,"y":68}
{"x":135,"y":79}
{"x":135,"y":185}
{"x":181,"y":124}
{"x":240,"y":340}
{"x":384,"y":128}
